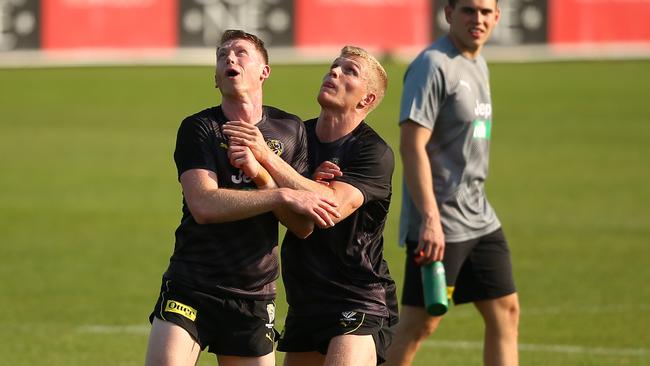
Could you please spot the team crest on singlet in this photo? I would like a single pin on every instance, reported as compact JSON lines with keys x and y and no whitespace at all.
{"x":276,"y":146}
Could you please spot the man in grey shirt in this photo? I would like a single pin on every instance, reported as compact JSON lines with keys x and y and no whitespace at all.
{"x":446,"y":128}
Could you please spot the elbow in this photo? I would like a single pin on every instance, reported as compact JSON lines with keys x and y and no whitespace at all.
{"x":303,"y":234}
{"x":303,"y":231}
{"x":201,"y":215}
{"x":201,"y":220}
{"x":406,"y":150}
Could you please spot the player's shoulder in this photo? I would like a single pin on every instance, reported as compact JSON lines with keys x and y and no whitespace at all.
{"x":203,"y":117}
{"x":311,"y":121}
{"x":438,"y":55}
{"x":369,"y":134}
{"x":274,"y":113}
{"x":310,"y":125}
{"x":371,"y":139}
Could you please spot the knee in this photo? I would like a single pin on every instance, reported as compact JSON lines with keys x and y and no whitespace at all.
{"x":512,"y":311}
{"x":501,"y":315}
{"x":509,"y":317}
{"x":427,"y":327}
{"x":415,"y":325}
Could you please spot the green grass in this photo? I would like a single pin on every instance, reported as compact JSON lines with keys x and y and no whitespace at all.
{"x":89,"y":203}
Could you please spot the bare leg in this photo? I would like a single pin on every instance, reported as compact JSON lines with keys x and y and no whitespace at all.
{"x":351,"y":350}
{"x":414,"y":326}
{"x":501,"y":317}
{"x":171,"y":345}
{"x":304,"y":359}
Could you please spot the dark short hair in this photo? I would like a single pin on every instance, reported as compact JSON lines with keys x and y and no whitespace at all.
{"x":452,"y":3}
{"x":231,"y":34}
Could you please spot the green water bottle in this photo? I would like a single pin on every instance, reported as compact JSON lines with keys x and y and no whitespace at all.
{"x":434,"y":286}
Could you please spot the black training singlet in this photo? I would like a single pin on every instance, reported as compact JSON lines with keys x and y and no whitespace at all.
{"x":240,"y":257}
{"x":342,"y":268}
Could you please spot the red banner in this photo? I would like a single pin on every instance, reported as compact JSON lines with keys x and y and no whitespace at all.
{"x":578,"y":21}
{"x":382,"y":24}
{"x":109,"y":23}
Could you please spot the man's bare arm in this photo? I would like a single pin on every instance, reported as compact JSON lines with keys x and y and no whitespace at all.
{"x":298,"y":222}
{"x":210,"y":204}
{"x":346,"y":197}
{"x":417,"y":170}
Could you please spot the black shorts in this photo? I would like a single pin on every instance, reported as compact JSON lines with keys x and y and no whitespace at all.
{"x":477,"y":269}
{"x":227,"y":326}
{"x":313,"y":333}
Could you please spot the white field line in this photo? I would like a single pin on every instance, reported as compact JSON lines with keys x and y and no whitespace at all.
{"x":547,"y":348}
{"x":469,"y":311}
{"x":608,"y":309}
{"x":467,"y":345}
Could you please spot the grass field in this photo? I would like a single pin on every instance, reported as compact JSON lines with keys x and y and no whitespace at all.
{"x":89,"y":202}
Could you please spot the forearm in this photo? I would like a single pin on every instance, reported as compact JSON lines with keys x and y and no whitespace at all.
{"x":346,"y":197}
{"x":419,"y":181}
{"x":226,"y":205}
{"x":302,"y":226}
{"x":263,"y":180}
{"x":286,"y":176}
{"x":283,"y":174}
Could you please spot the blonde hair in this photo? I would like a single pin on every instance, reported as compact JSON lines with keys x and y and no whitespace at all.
{"x":377,"y":78}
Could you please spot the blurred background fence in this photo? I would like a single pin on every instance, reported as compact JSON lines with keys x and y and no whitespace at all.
{"x":74,"y":32}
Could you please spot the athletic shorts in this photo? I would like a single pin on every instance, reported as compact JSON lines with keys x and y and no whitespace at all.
{"x":226,"y":326}
{"x":476,"y":269}
{"x":313,"y":333}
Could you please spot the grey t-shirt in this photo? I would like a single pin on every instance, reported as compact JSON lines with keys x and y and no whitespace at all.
{"x":450,"y":94}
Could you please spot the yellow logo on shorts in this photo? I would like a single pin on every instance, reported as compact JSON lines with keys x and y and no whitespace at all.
{"x":173,"y":306}
{"x":450,"y":291}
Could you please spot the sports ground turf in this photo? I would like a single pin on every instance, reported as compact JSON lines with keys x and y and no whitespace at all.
{"x":89,"y":202}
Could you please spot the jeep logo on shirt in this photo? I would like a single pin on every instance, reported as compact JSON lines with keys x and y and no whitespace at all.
{"x":483,"y":110}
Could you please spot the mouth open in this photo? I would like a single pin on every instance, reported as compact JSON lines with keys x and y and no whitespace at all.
{"x":232,"y":73}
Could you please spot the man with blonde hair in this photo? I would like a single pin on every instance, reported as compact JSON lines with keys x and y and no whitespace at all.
{"x":341,"y":296}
